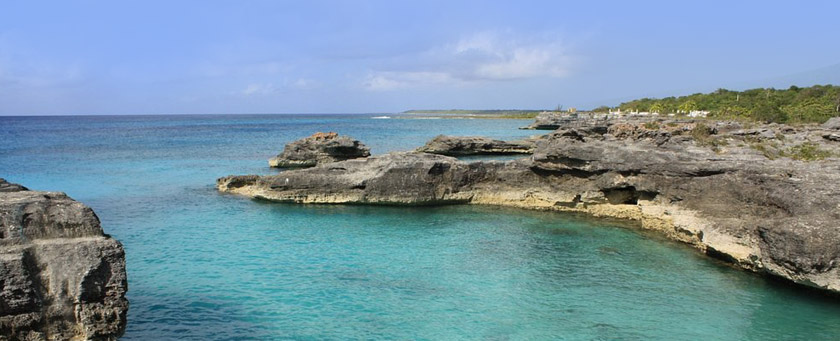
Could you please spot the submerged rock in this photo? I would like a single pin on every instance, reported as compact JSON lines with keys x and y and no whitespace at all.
{"x":474,"y":145}
{"x":684,"y":180}
{"x":319,"y":148}
{"x":61,"y":277}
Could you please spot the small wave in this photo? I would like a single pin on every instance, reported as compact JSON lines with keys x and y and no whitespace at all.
{"x":381,"y":117}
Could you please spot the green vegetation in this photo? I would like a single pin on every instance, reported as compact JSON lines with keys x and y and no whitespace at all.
{"x":769,"y":151}
{"x":793,"y":105}
{"x":652,"y":125}
{"x":704,"y":137}
{"x":808,"y":151}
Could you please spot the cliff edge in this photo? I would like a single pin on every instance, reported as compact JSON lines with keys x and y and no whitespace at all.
{"x":61,"y":277}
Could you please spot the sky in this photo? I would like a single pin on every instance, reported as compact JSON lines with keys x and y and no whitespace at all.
{"x":227,"y":57}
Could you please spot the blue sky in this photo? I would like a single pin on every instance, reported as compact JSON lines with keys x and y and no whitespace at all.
{"x":194,"y":57}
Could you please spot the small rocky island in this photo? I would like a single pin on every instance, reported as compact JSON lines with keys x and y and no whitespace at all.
{"x":762,"y":197}
{"x":319,"y":148}
{"x":61,"y":277}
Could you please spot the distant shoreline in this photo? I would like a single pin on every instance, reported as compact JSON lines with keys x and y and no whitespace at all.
{"x":483,"y":114}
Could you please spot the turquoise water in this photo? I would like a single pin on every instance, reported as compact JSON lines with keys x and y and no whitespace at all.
{"x":207,"y":266}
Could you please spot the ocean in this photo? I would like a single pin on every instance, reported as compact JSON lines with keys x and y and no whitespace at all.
{"x":209,"y":266}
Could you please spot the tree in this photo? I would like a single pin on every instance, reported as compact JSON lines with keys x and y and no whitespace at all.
{"x":657,"y":108}
{"x":688,"y":106}
{"x":768,"y":112}
{"x":837,"y":103}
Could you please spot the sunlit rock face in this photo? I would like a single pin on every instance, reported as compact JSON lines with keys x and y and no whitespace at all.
{"x":318,"y":149}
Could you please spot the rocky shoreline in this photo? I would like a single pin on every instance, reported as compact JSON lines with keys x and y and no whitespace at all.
{"x":759,"y":196}
{"x":61,"y":277}
{"x":475,"y":145}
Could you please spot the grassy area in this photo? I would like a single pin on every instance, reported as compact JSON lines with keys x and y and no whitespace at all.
{"x":814,"y":104}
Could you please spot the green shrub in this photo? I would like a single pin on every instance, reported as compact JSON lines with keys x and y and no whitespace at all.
{"x":807,"y":151}
{"x":653,"y":125}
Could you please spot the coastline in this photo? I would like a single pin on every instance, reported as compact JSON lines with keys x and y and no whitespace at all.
{"x":726,"y":199}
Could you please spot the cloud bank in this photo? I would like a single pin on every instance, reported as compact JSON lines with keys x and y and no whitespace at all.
{"x":482,"y":57}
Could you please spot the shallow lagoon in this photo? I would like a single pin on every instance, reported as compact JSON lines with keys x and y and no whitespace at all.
{"x":203,"y":265}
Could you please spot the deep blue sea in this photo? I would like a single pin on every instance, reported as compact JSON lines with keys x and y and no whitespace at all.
{"x":207,"y":266}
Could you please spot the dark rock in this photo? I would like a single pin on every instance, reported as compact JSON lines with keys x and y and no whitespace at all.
{"x":758,"y":133}
{"x":397,"y":178}
{"x":61,"y":277}
{"x":474,"y":145}
{"x":9,"y":187}
{"x":319,"y":148}
{"x":832,"y":137}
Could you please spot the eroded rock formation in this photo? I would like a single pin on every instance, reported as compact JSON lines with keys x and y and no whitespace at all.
{"x":475,"y":145}
{"x":61,"y":277}
{"x":715,"y":186}
{"x":319,"y":148}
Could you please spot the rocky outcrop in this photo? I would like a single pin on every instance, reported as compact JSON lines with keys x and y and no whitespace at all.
{"x":475,"y":145}
{"x":832,"y":124}
{"x":61,"y":277}
{"x":552,"y":120}
{"x":712,"y":185}
{"x":319,"y":148}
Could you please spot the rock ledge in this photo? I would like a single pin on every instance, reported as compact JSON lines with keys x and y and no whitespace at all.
{"x":474,"y":145}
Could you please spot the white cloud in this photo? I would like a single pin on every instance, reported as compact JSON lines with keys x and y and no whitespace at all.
{"x":384,"y":81}
{"x":482,"y":57}
{"x":303,"y":84}
{"x":259,"y":89}
{"x":269,"y":88}
{"x":524,"y":63}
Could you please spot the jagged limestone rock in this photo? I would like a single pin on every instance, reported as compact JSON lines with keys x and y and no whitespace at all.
{"x":474,"y":145}
{"x":61,"y":277}
{"x":319,"y":148}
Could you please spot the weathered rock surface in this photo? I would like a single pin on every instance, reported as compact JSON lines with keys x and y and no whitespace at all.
{"x":61,"y":277}
{"x":475,"y":145}
{"x":554,"y":120}
{"x":9,"y":187}
{"x":702,"y":183}
{"x":832,"y":123}
{"x":319,"y":148}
